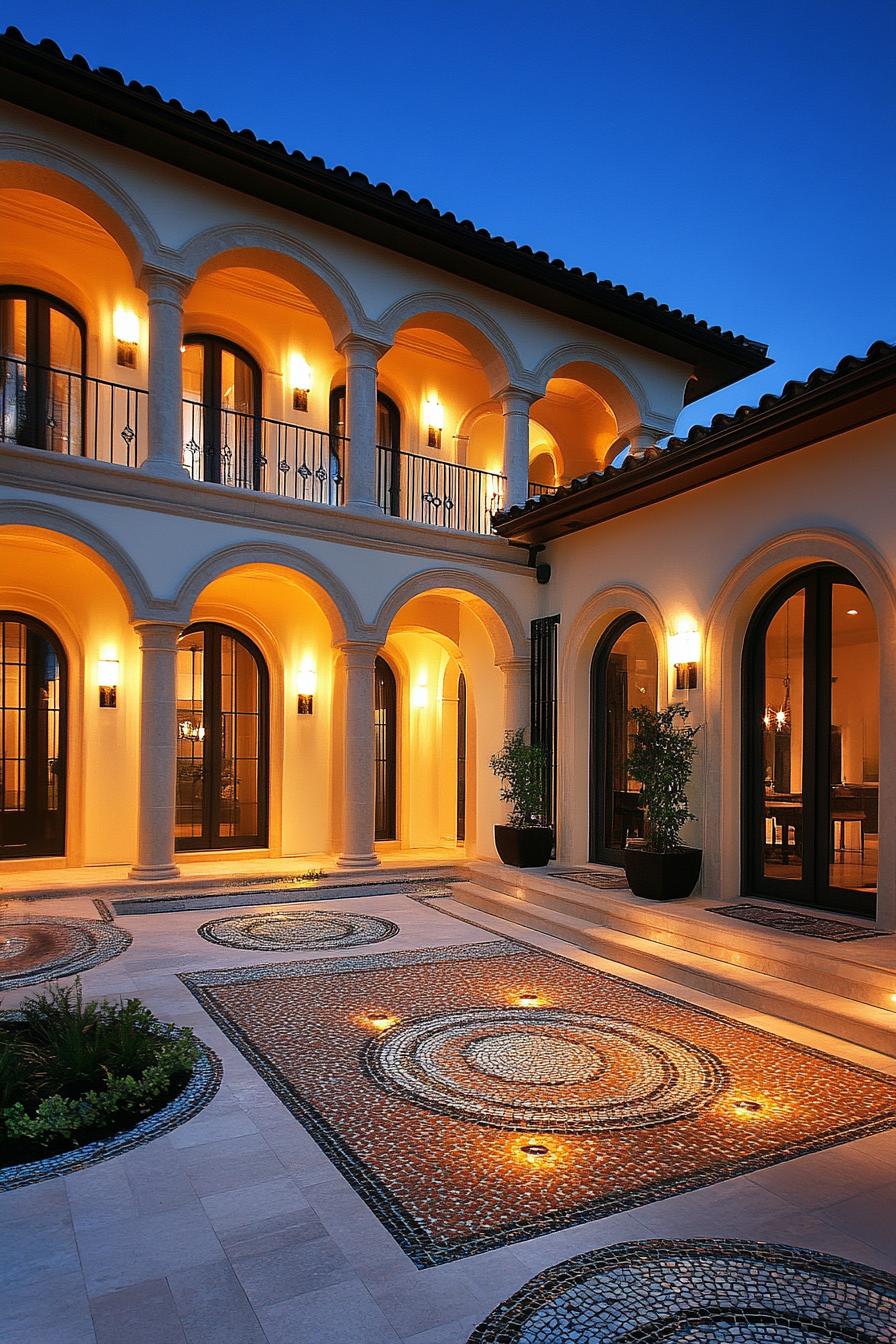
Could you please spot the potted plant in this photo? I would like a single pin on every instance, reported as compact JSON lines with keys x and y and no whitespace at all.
{"x":660,"y":867}
{"x":525,"y":842}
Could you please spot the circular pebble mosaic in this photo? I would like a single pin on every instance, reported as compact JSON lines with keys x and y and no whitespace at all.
{"x":698,"y":1292}
{"x":43,"y":947}
{"x":297,"y":930}
{"x":545,"y":1069}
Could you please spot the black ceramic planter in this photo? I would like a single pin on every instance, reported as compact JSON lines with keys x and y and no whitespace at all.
{"x":662,"y":877}
{"x":529,"y":848}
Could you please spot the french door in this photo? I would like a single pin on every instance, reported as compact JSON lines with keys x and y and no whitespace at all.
{"x":32,"y":739}
{"x":385,"y":751}
{"x":388,"y":447}
{"x":222,"y":733}
{"x":811,"y":737}
{"x":222,"y":413}
{"x":41,"y":371}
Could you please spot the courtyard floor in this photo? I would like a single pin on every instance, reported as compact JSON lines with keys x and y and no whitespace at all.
{"x":421,"y":1111}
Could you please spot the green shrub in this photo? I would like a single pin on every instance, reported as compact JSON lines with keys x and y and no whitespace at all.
{"x":521,"y":769}
{"x":661,"y":760}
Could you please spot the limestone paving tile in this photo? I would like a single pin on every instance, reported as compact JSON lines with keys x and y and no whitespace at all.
{"x":143,"y":1313}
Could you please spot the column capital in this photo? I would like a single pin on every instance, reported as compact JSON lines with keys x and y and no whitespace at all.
{"x":513,"y":398}
{"x":162,"y":635}
{"x":643,"y":435}
{"x":509,"y":666}
{"x":359,"y":653}
{"x":164,"y":286}
{"x":362,"y":352}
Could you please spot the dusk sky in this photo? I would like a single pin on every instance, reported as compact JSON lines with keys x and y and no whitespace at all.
{"x":734,"y":160}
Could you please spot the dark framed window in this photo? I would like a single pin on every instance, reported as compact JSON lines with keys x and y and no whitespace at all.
{"x":811,"y":744}
{"x":461,"y":758}
{"x":388,"y":445}
{"x":222,"y":740}
{"x":33,"y":738}
{"x":222,"y":413}
{"x":624,"y":673}
{"x":42,"y":390}
{"x":543,"y":707}
{"x":385,"y":751}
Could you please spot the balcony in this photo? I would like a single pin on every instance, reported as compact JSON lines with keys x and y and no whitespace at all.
{"x":438,"y":493}
{"x":64,"y":412}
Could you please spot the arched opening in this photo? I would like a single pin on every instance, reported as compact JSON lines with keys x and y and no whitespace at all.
{"x":222,"y":740}
{"x":624,"y":674}
{"x":388,"y":446}
{"x":811,"y":738}
{"x":578,"y":417}
{"x":33,"y":738}
{"x":222,"y":412}
{"x":461,"y":758}
{"x":385,"y":728}
{"x":41,"y":378}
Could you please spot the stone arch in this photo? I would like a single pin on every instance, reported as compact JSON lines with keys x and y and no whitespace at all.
{"x":466,"y":323}
{"x":604,"y":372}
{"x":499,"y":617}
{"x":330,"y":593}
{"x":31,"y":164}
{"x":281,"y":254}
{"x":725,"y":634}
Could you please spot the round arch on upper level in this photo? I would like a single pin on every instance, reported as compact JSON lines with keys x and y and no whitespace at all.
{"x":463,"y":322}
{"x":494,"y":609}
{"x":604,"y":373}
{"x":266,"y":249}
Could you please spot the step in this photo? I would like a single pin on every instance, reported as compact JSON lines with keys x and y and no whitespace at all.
{"x":689,"y":927}
{"x":860,"y":1023}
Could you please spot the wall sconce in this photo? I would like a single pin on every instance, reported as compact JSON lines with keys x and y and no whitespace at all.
{"x":306,"y":686}
{"x":419,"y":696}
{"x":684,"y":654}
{"x":126,"y":329}
{"x":107,"y":676}
{"x":434,"y":419}
{"x":189,"y":731}
{"x":300,"y":381}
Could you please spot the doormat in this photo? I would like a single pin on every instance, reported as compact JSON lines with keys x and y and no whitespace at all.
{"x":788,"y":921}
{"x":603,"y":881}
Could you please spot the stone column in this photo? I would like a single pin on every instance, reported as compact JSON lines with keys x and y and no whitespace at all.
{"x":165,"y":297}
{"x":361,"y":358}
{"x":517,"y":692}
{"x":642,"y":437}
{"x":158,"y":750}
{"x":515,"y":405}
{"x":358,"y":781}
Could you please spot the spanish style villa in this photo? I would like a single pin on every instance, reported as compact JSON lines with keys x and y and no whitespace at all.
{"x":310,"y":492}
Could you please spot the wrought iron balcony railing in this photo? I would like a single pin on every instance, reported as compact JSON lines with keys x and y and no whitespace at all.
{"x":443,"y":494}
{"x":65,"y":412}
{"x":536,"y":489}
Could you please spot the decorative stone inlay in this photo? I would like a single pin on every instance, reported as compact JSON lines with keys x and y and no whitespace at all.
{"x":531,"y":1068}
{"x":295,"y":930}
{"x":34,"y":948}
{"x":698,"y":1292}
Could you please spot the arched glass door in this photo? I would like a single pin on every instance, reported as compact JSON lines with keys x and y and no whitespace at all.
{"x":222,"y":413}
{"x":32,"y":739}
{"x":41,"y":371}
{"x":385,"y":754}
{"x":811,"y":737}
{"x":388,"y":446}
{"x":623,"y":675}
{"x":461,"y":758}
{"x":222,"y":715}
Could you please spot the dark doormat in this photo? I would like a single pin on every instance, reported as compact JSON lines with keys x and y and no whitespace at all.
{"x":603,"y":881}
{"x":789,"y":921}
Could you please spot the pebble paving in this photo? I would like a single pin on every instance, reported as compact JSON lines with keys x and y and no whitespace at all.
{"x":34,"y":948}
{"x":297,"y":930}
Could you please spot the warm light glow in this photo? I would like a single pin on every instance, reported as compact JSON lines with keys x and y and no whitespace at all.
{"x":852,"y":611}
{"x":747,"y":1108}
{"x":299,"y":372}
{"x":381,"y":1021}
{"x":189,"y":731}
{"x":107,"y":672}
{"x":684,"y":647}
{"x":306,"y":680}
{"x":528,"y":1000}
{"x":433,"y":413}
{"x":126,"y":326}
{"x":419,"y":695}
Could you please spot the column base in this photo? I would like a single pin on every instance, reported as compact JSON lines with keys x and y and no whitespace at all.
{"x":358,"y":861}
{"x":370,"y":510}
{"x":153,"y":872}
{"x":163,"y":466}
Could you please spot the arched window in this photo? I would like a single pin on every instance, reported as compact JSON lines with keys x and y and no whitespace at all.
{"x":388,"y":446}
{"x":461,"y":758}
{"x":222,"y":737}
{"x":811,"y":744}
{"x":623,"y":675}
{"x":222,"y":413}
{"x":33,"y":688}
{"x":385,"y":752}
{"x":41,"y":371}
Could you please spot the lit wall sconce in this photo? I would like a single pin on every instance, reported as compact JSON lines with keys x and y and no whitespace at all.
{"x":190,"y":731}
{"x":306,"y":686}
{"x":126,"y":329}
{"x":684,"y":655}
{"x":434,"y":419}
{"x":419,"y":695}
{"x":300,"y":381}
{"x":107,"y":676}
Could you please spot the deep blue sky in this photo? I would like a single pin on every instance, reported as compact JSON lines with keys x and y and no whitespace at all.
{"x":734,"y":158}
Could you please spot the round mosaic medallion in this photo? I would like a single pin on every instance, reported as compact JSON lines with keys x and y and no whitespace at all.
{"x":545,"y":1069}
{"x":44,"y":947}
{"x":698,"y":1292}
{"x":297,"y":930}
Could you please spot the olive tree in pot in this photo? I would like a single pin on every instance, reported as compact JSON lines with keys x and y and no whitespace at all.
{"x":660,"y":867}
{"x":525,"y":842}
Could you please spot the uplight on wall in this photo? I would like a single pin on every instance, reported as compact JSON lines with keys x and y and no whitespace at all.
{"x":419,"y":695}
{"x":306,"y":686}
{"x":434,"y":420}
{"x":684,"y":655}
{"x":107,"y":670}
{"x":300,"y":381}
{"x":126,"y":330}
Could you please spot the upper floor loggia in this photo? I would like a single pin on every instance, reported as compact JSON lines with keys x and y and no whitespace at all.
{"x":195,"y":304}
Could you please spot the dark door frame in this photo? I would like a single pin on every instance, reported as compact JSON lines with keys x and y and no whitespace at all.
{"x":53,"y":845}
{"x":388,"y":480}
{"x":599,"y":761}
{"x":385,"y":802}
{"x":461,"y":758}
{"x":813,"y":888}
{"x":213,"y":347}
{"x":38,"y":303}
{"x":212,"y":743}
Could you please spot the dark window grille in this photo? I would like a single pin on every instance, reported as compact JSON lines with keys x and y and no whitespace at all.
{"x":544,"y":707}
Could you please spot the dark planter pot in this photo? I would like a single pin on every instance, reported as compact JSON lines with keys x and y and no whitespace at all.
{"x":662,"y":877}
{"x":530,"y":848}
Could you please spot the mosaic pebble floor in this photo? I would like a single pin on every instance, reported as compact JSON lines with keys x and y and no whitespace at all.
{"x":297,"y":930}
{"x":790,"y":921}
{"x":34,"y":948}
{"x":698,"y":1292}
{"x":480,"y":1095}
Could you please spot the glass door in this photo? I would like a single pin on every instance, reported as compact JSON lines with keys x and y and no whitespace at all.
{"x":41,"y":380}
{"x":385,"y":755}
{"x":461,"y":758}
{"x":222,"y":413}
{"x":32,"y":739}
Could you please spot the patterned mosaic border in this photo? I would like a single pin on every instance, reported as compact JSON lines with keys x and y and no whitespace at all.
{"x":804,"y":925}
{"x":284,"y":896}
{"x":202,"y":1085}
{"x":108,"y":941}
{"x":416,"y":1243}
{"x":310,"y":931}
{"x":853,"y":1295}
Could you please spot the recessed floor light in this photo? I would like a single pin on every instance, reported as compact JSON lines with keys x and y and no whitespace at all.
{"x":748,"y":1107}
{"x":534,"y":1149}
